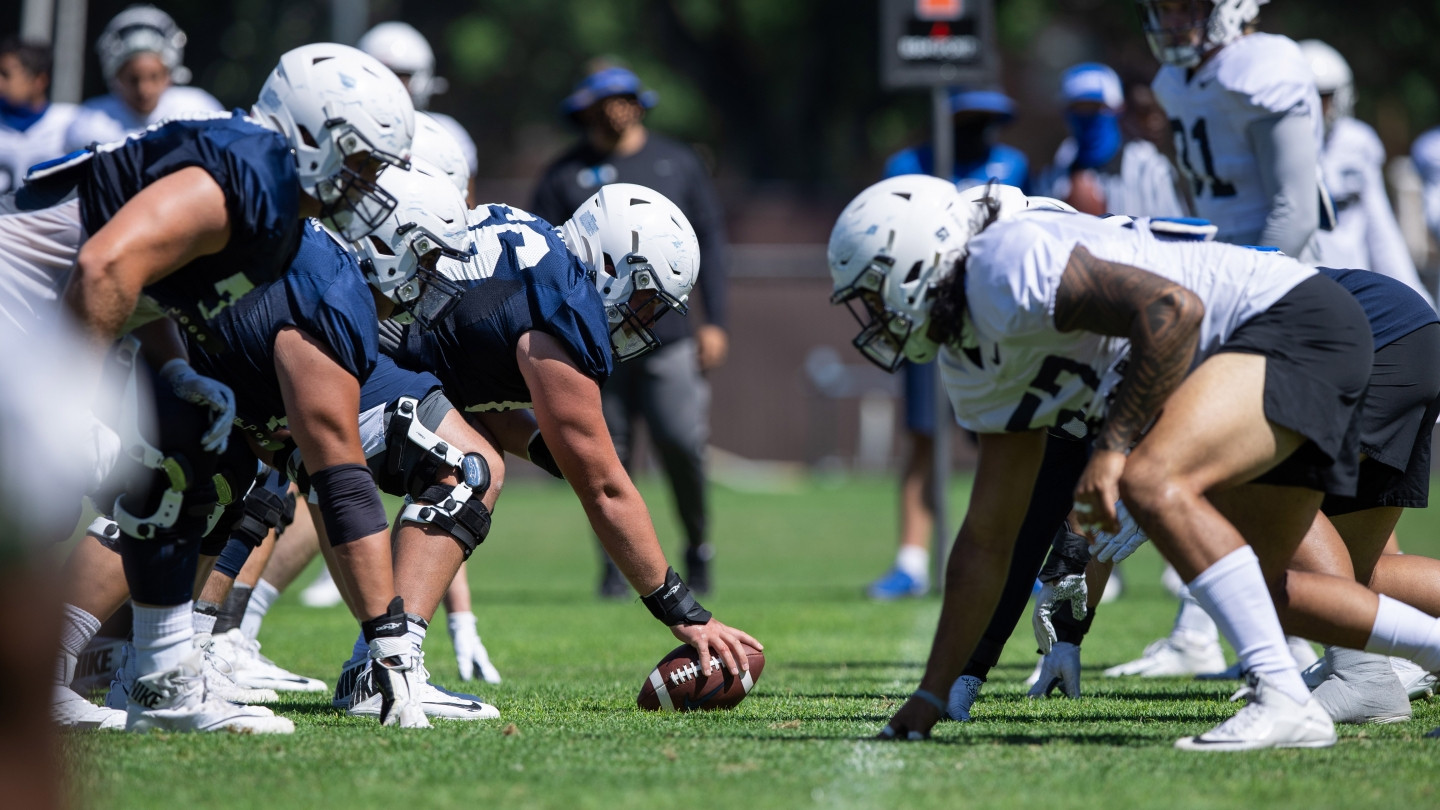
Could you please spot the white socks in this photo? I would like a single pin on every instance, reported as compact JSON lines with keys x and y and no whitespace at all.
{"x":1233,"y":592}
{"x":1403,"y":631}
{"x":162,"y":636}
{"x":915,"y":561}
{"x":261,"y":598}
{"x":77,"y":629}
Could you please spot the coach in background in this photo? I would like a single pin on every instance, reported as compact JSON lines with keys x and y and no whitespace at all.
{"x":32,"y":129}
{"x":667,"y":388}
{"x":142,"y":54}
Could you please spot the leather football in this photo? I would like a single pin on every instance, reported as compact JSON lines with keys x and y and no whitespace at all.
{"x":677,"y":685}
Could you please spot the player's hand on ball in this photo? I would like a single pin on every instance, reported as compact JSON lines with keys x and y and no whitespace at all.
{"x":1098,"y":490}
{"x":714,"y":638}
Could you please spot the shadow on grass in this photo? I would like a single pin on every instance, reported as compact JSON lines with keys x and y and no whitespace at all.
{"x":838,"y":665}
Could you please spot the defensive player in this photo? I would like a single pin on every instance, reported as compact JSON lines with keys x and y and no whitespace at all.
{"x":32,"y":128}
{"x":1027,"y":314}
{"x":142,"y":55}
{"x":192,"y":215}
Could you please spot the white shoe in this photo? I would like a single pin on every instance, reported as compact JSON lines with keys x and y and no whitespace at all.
{"x":1418,"y":683}
{"x":96,"y":664}
{"x":1114,"y":587}
{"x":1361,"y":688}
{"x":253,"y":670}
{"x":962,"y":696}
{"x":69,"y":709}
{"x":1179,"y":653}
{"x":355,"y":693}
{"x":471,"y":657}
{"x":220,"y":677}
{"x":322,"y":593}
{"x":1270,"y":719}
{"x":1301,"y":651}
{"x":176,"y":700}
{"x":389,"y":690}
{"x":1059,"y":669}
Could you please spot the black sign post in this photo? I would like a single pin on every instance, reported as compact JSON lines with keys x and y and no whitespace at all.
{"x":938,"y":44}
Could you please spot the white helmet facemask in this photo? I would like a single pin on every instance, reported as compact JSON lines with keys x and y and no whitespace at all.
{"x":1181,"y":32}
{"x":643,"y":257}
{"x":347,"y":118}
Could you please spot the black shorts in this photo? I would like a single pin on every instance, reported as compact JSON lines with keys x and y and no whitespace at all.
{"x":1400,"y":409}
{"x":1318,"y":351}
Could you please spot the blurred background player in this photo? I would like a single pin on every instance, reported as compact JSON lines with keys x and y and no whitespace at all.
{"x":405,"y":50}
{"x":32,"y":128}
{"x":666,"y":388}
{"x":977,"y":118}
{"x":142,"y":54}
{"x":1366,"y":235}
{"x":1107,"y":165}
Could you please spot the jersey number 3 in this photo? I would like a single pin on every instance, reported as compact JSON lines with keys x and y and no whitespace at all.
{"x":1201,"y":137}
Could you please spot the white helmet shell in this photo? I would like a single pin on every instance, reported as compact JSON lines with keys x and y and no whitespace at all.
{"x":142,"y":29}
{"x":633,"y":239}
{"x":1185,"y":45}
{"x":1332,"y":78}
{"x":404,"y":50}
{"x":890,"y":249}
{"x":331,"y":101}
{"x":435,"y":145}
{"x":429,"y":216}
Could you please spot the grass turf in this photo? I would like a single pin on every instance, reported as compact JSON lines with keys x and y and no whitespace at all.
{"x":791,"y":569}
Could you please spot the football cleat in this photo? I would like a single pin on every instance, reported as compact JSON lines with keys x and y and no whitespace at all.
{"x":1418,"y":683}
{"x":220,"y":679}
{"x":471,"y":657}
{"x":1180,"y":653}
{"x":321,"y":593}
{"x":1361,"y":688}
{"x":963,"y":694}
{"x":177,"y":700}
{"x":896,"y":584}
{"x":252,"y":670}
{"x":70,"y":710}
{"x":359,"y":695}
{"x":1270,"y":719}
{"x":389,"y":690}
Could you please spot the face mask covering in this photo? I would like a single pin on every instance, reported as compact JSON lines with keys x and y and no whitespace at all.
{"x":1097,"y":138}
{"x":20,"y":118}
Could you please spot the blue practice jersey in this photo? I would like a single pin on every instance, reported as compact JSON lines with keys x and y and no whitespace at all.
{"x":1006,"y":164}
{"x":323,"y":295}
{"x":1393,"y":308}
{"x":253,"y":166}
{"x":531,"y":282}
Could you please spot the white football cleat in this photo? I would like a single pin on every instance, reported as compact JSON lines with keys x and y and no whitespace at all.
{"x":252,"y":670}
{"x":70,"y":710}
{"x":470,"y":653}
{"x":1271,"y":719}
{"x":963,"y":694}
{"x":1059,"y":669}
{"x":1418,"y":683}
{"x":220,"y":677}
{"x":356,"y":692}
{"x":176,"y":700}
{"x":1180,"y":653}
{"x":389,"y":690}
{"x":322,"y":593}
{"x":1361,"y":688}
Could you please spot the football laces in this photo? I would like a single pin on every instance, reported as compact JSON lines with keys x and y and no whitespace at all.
{"x":691,"y":671}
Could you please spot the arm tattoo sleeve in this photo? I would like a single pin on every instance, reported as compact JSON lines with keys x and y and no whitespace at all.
{"x":1161,"y":319}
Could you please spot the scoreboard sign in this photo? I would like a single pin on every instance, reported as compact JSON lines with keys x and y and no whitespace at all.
{"x":924,"y":43}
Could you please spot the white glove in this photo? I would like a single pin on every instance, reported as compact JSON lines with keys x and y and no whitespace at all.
{"x":213,"y":394}
{"x":470,"y":652}
{"x":1060,"y":668}
{"x":1069,"y":588}
{"x":103,"y":447}
{"x":1118,"y":546}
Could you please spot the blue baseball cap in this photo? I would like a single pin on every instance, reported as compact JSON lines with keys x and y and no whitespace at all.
{"x":602,"y":84}
{"x":987,"y":101}
{"x":1092,"y":81}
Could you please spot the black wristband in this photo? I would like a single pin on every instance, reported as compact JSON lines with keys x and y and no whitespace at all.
{"x":1069,"y":554}
{"x":673,"y":604}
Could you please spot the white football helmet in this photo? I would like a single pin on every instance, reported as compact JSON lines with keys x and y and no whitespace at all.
{"x":436,"y":146}
{"x":891,"y":248}
{"x":643,"y":256}
{"x":1332,"y":78}
{"x":404,"y":50}
{"x":1181,"y":32}
{"x":331,"y":102}
{"x":412,"y":257}
{"x":142,"y":29}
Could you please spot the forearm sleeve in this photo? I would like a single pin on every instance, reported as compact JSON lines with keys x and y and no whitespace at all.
{"x":1285,"y":150}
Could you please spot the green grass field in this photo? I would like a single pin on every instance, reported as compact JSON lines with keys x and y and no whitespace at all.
{"x":791,"y":570}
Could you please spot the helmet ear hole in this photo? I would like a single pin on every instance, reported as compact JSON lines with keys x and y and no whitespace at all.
{"x":914,"y":272}
{"x":378,"y":245}
{"x":307,"y":137}
{"x":610,"y":266}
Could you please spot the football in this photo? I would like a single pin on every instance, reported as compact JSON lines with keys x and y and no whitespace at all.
{"x":677,"y":685}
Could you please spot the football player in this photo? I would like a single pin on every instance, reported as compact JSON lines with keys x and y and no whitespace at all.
{"x":32,"y":128}
{"x":1259,"y":364}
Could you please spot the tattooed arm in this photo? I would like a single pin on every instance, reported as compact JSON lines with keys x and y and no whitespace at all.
{"x":1161,"y":319}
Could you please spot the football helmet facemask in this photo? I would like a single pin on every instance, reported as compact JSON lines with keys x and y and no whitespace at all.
{"x":1181,"y":32}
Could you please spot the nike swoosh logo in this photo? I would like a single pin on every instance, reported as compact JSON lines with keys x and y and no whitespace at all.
{"x":705,"y":698}
{"x":467,"y":705}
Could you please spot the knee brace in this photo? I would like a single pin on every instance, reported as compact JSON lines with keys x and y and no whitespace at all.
{"x":414,"y":455}
{"x":138,"y":448}
{"x":457,"y":510}
{"x":106,"y":532}
{"x":263,"y":509}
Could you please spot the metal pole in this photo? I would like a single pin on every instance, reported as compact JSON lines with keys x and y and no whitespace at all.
{"x":67,"y":82}
{"x":943,"y":144}
{"x":37,"y":20}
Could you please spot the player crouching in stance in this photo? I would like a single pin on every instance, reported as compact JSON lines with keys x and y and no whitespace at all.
{"x":1258,"y":362}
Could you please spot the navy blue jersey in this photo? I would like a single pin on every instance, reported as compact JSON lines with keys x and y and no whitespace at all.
{"x":532,"y":283}
{"x":1393,"y":308}
{"x":323,"y":295}
{"x":390,"y":382}
{"x":252,"y":165}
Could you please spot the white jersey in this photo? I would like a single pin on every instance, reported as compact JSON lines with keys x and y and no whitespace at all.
{"x":41,"y":141}
{"x":106,"y":118}
{"x":1366,"y":235}
{"x":1257,"y":76}
{"x":1144,"y":186}
{"x":467,"y":144}
{"x":1015,"y":371}
{"x":1425,"y":154}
